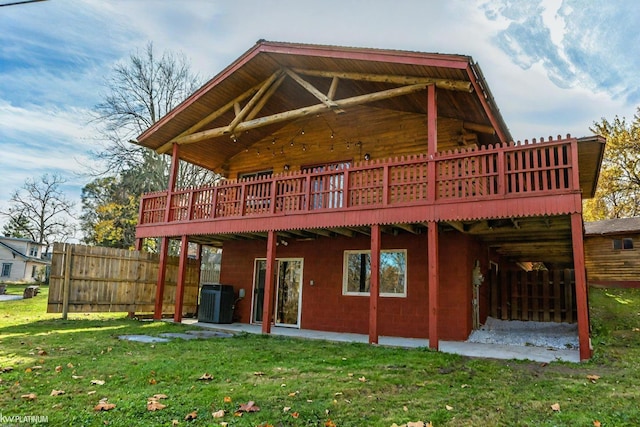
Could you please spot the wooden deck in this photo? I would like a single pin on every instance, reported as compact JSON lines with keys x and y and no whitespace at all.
{"x":522,"y":179}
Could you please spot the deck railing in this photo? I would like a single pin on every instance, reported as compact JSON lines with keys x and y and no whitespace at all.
{"x":501,"y":171}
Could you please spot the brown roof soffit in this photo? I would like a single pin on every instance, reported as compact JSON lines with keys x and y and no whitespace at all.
{"x":368,"y":54}
{"x":603,"y":141}
{"x":230,"y":69}
{"x":486,"y":98}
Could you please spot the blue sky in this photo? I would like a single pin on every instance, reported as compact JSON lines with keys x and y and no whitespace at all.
{"x":554,"y":66}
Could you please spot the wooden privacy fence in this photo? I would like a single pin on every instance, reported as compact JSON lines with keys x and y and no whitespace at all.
{"x":87,"y":279}
{"x":541,"y":295}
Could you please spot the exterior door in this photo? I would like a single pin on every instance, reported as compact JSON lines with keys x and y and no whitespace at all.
{"x":288,"y":291}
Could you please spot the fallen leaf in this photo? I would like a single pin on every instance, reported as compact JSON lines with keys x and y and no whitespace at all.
{"x":42,"y":353}
{"x":153,"y":381}
{"x":258,"y":374}
{"x":295,"y":415}
{"x":56,"y":392}
{"x":175,"y":422}
{"x":556,"y":407}
{"x":6,"y":369}
{"x":249,"y":407}
{"x":596,"y":423}
{"x":286,"y":409}
{"x":293,"y":393}
{"x":448,"y":408}
{"x":218,"y":414}
{"x":58,"y":368}
{"x":593,"y":378}
{"x":158,"y":397}
{"x":70,"y":365}
{"x":362,"y":379}
{"x":191,"y":416}
{"x":206,"y":377}
{"x":227,"y":399}
{"x":329,"y":423}
{"x":224,"y":423}
{"x":91,"y":392}
{"x":415,"y":424}
{"x":154,"y":405}
{"x":27,"y":370}
{"x":77,"y":377}
{"x":104,"y":406}
{"x":97,"y":382}
{"x":30,"y":396}
{"x":465,"y":386}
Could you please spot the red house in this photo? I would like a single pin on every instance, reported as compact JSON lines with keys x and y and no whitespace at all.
{"x":377,"y":192}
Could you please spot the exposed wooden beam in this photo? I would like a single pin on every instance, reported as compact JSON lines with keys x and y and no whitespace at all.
{"x":343,"y":232}
{"x":321,"y":232}
{"x":211,"y":117}
{"x":408,"y":227}
{"x":477,"y":127}
{"x":333,"y":88}
{"x":458,"y":225}
{"x":265,"y":98}
{"x":254,"y":100}
{"x":457,"y":85}
{"x":300,"y":112}
{"x":313,"y":91}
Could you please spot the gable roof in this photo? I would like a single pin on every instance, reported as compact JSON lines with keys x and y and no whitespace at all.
{"x":17,"y":253}
{"x":612,"y":226}
{"x":205,"y":123}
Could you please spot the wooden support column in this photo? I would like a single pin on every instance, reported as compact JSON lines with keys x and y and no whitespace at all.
{"x":162,"y":272}
{"x":374,"y":285}
{"x":581,"y":286}
{"x":432,"y":141}
{"x":139,"y":244}
{"x":434,"y":279}
{"x":182,"y":275}
{"x":270,"y":285}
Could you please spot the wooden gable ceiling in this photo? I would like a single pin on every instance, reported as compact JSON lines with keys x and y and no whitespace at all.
{"x":273,"y":84}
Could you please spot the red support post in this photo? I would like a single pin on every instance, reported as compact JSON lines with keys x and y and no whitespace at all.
{"x":581,"y":286}
{"x":374,"y":285}
{"x":269,"y":286}
{"x":433,"y":275}
{"x":182,"y":275}
{"x":162,"y":272}
{"x":175,"y":160}
{"x":432,"y":141}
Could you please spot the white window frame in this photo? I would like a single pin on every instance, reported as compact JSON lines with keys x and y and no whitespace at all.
{"x":7,"y":266}
{"x":345,"y":273}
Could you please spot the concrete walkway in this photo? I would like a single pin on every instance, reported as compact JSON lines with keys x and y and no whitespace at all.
{"x":492,"y":351}
{"x":6,"y":297}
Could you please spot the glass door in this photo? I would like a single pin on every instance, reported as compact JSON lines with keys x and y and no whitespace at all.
{"x":288,"y":291}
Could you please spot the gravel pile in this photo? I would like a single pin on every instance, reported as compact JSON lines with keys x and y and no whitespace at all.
{"x":516,"y":332}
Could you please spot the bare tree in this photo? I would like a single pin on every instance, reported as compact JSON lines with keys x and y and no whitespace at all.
{"x":140,"y":91}
{"x":42,"y":210}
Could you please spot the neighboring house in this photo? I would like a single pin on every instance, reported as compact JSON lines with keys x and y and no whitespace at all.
{"x":374,"y":191}
{"x":21,"y":260}
{"x":612,"y":252}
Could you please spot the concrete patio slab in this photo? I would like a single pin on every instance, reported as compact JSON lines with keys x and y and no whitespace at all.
{"x":463,"y":348}
{"x":142,"y":338}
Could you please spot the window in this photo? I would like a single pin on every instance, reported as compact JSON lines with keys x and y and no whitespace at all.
{"x":6,"y":269}
{"x":327,"y":188}
{"x":393,"y":273}
{"x":33,"y":251}
{"x":625,"y":243}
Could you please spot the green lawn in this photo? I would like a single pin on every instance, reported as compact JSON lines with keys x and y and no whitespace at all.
{"x":303,"y":383}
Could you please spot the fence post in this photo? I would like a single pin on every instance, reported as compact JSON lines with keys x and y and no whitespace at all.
{"x":67,"y":281}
